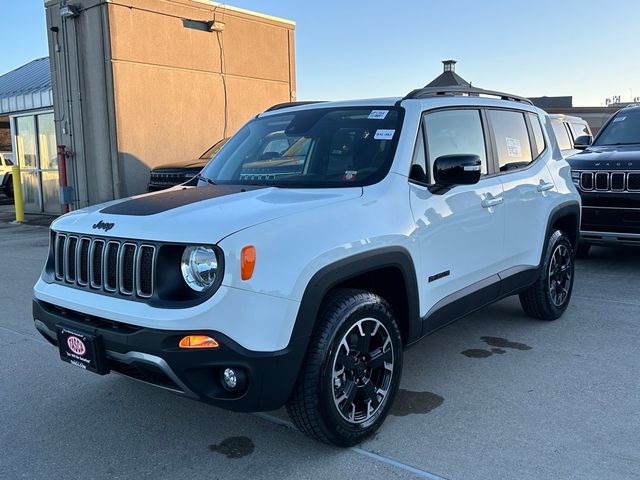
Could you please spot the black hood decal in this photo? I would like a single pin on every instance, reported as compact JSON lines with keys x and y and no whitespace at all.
{"x":169,"y":199}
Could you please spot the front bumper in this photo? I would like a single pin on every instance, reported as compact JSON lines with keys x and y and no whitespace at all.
{"x":153,"y":356}
{"x":605,"y":225}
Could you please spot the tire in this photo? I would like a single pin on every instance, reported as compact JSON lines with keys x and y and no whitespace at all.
{"x":583,"y":250}
{"x":549,"y":296}
{"x":8,"y":189}
{"x":342,"y":396}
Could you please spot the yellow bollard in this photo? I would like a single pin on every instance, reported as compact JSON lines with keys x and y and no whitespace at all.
{"x":17,"y":193}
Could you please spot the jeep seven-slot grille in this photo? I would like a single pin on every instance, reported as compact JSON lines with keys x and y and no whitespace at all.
{"x":609,"y":181}
{"x":110,"y":265}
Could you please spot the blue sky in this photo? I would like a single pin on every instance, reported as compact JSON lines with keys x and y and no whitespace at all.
{"x":358,"y":48}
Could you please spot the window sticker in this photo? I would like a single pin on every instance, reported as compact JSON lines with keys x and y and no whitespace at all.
{"x":514,"y":148}
{"x":619,"y":119}
{"x":384,"y":134}
{"x":378,"y":114}
{"x":350,"y":175}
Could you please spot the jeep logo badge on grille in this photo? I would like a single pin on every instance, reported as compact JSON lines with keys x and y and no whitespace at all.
{"x":103,"y":226}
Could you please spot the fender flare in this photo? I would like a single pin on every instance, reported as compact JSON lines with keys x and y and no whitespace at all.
{"x":570,"y":208}
{"x":333,"y":274}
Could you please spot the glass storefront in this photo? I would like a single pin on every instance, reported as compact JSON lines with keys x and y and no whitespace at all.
{"x":35,"y":138}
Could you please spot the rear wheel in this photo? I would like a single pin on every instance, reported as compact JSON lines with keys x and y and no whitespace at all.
{"x":352,"y":370}
{"x":549,"y":296}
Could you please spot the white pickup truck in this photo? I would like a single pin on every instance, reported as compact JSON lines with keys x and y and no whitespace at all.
{"x":6,"y":162}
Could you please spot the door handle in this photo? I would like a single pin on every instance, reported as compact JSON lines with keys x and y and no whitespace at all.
{"x":491,"y":201}
{"x":543,"y":187}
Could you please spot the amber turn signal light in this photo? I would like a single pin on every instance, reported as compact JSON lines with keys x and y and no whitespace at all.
{"x":247,"y":262}
{"x":198,"y":341}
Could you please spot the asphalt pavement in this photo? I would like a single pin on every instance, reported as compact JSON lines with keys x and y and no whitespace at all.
{"x":495,"y":395}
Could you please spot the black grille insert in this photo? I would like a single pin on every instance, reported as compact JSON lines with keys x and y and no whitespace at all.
{"x":109,"y":265}
{"x":96,"y":263}
{"x":586,"y":181}
{"x":83,"y":261}
{"x":602,"y":181}
{"x":145,"y":271}
{"x":127,"y":268}
{"x":70,"y":259}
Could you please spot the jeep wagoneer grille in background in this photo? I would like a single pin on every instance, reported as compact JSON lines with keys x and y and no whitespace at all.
{"x":608,"y":181}
{"x":115,"y":266}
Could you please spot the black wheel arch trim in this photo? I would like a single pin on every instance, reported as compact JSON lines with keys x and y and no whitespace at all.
{"x":566,"y":209}
{"x":338,"y":272}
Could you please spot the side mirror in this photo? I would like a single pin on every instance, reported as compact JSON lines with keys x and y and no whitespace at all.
{"x":452,"y":170}
{"x":582,"y":142}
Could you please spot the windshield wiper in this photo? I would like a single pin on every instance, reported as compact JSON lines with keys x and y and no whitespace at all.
{"x":206,"y":179}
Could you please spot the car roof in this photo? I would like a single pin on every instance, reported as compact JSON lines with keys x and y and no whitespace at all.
{"x":428,"y":102}
{"x":567,"y":118}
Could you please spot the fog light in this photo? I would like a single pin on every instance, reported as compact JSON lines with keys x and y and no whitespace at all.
{"x":230,"y":378}
{"x":233,"y":379}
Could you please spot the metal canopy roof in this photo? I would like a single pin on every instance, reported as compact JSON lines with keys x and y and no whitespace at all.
{"x":27,"y":87}
{"x":448,"y":79}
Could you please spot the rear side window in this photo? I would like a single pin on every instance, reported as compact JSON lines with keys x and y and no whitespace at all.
{"x":538,"y":138}
{"x":510,"y":132}
{"x":564,"y":142}
{"x":451,"y":132}
{"x":579,"y":129}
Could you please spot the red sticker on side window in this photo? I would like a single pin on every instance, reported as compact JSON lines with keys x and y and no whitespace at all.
{"x":350,"y":175}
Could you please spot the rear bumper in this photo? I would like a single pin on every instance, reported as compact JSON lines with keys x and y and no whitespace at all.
{"x":153,"y":356}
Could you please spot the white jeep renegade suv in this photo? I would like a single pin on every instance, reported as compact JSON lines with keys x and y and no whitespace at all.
{"x":321,"y":241}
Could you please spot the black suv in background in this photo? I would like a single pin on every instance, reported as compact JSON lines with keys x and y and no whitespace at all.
{"x":172,"y":174}
{"x":607,"y":174}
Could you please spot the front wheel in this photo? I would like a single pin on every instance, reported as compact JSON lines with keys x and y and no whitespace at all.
{"x":352,"y":370}
{"x":549,"y":296}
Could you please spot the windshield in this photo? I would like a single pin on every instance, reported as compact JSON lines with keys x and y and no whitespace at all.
{"x":624,"y":129}
{"x":321,"y":147}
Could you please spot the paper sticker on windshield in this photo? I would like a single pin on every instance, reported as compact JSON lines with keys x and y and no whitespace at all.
{"x":617,"y":119}
{"x":378,"y":114}
{"x":514,"y":148}
{"x":383,"y":134}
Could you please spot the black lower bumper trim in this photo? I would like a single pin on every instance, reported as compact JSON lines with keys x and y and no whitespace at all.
{"x":153,"y":356}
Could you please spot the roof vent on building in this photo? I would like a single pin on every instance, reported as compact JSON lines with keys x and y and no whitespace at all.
{"x":449,"y":77}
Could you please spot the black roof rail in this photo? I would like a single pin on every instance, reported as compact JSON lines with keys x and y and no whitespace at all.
{"x":280,"y":106}
{"x":469,"y":91}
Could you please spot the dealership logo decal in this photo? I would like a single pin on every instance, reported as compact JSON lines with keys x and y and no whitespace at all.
{"x":76,"y":346}
{"x":103,"y":226}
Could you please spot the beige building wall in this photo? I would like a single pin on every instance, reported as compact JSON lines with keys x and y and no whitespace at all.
{"x":165,"y":82}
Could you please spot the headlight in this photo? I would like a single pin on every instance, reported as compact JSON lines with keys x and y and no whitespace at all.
{"x":199,"y":267}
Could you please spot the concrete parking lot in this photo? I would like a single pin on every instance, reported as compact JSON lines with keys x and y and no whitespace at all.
{"x":495,"y":395}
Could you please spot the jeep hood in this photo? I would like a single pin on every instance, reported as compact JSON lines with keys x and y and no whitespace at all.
{"x":615,"y":157}
{"x":204,"y":214}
